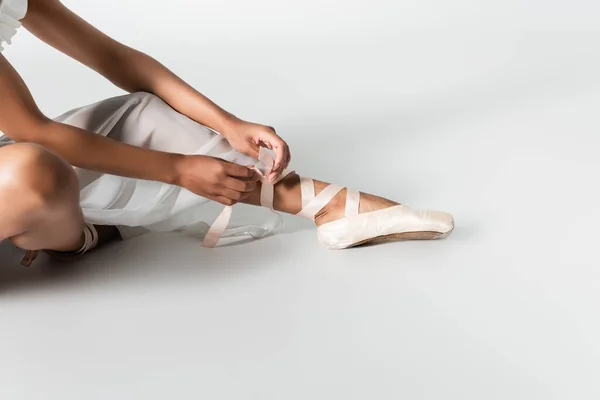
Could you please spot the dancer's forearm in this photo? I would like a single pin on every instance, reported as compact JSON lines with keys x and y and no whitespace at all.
{"x":95,"y":152}
{"x":127,"y":68}
{"x":135,"y":71}
{"x":22,"y":121}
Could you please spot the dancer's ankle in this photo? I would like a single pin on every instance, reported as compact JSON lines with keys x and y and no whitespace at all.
{"x":334,"y":210}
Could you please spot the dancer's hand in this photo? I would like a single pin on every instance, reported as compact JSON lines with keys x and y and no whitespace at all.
{"x":216,"y":179}
{"x":248,"y":137}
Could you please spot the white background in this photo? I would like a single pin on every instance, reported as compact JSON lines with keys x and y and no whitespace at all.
{"x":487,"y":109}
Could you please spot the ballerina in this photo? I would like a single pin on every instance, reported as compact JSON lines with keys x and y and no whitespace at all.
{"x":150,"y":160}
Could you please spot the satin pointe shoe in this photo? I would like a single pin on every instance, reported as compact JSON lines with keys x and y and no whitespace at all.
{"x":398,"y":222}
{"x":394,"y":223}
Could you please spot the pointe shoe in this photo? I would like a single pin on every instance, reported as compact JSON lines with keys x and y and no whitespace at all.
{"x":90,"y":234}
{"x":389,"y":224}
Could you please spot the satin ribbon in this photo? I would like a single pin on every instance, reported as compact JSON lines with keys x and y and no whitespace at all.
{"x":311,"y":203}
{"x":265,"y":164}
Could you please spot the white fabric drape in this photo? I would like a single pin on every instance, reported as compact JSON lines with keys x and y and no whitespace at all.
{"x":144,"y":120}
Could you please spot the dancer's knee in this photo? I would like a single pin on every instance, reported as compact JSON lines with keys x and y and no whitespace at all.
{"x":31,"y":174}
{"x":147,"y":100}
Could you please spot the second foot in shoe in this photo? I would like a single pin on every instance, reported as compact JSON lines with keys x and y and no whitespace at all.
{"x":93,"y":237}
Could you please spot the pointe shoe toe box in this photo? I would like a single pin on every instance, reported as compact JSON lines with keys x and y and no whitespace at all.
{"x":398,"y":222}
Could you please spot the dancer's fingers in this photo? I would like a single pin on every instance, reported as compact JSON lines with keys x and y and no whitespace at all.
{"x":240,"y":171}
{"x":238,"y":185}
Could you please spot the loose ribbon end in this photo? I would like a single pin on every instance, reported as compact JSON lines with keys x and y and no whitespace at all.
{"x":218,"y":227}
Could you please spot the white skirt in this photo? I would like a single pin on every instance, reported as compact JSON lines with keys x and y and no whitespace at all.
{"x":145,"y":120}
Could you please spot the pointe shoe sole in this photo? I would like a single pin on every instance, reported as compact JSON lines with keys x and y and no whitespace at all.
{"x":398,"y":237}
{"x":398,"y":223}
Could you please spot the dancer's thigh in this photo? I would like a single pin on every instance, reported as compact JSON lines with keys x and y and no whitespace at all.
{"x":144,"y":120}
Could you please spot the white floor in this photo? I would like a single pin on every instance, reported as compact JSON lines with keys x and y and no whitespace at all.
{"x":487,"y":109}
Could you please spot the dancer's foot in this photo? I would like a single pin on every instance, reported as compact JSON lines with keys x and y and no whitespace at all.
{"x":92,"y":237}
{"x":336,"y":208}
{"x":345,"y":217}
{"x":352,"y":218}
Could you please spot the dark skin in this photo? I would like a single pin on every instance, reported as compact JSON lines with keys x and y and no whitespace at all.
{"x":133,"y":71}
{"x":38,"y":220}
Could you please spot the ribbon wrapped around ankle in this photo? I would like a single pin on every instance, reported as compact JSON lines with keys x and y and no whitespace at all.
{"x":262,"y":167}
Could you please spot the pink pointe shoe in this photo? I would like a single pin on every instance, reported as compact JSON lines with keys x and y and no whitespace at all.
{"x":389,"y":224}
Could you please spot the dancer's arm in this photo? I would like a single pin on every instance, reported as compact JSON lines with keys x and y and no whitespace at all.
{"x":135,"y":71}
{"x":22,"y":121}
